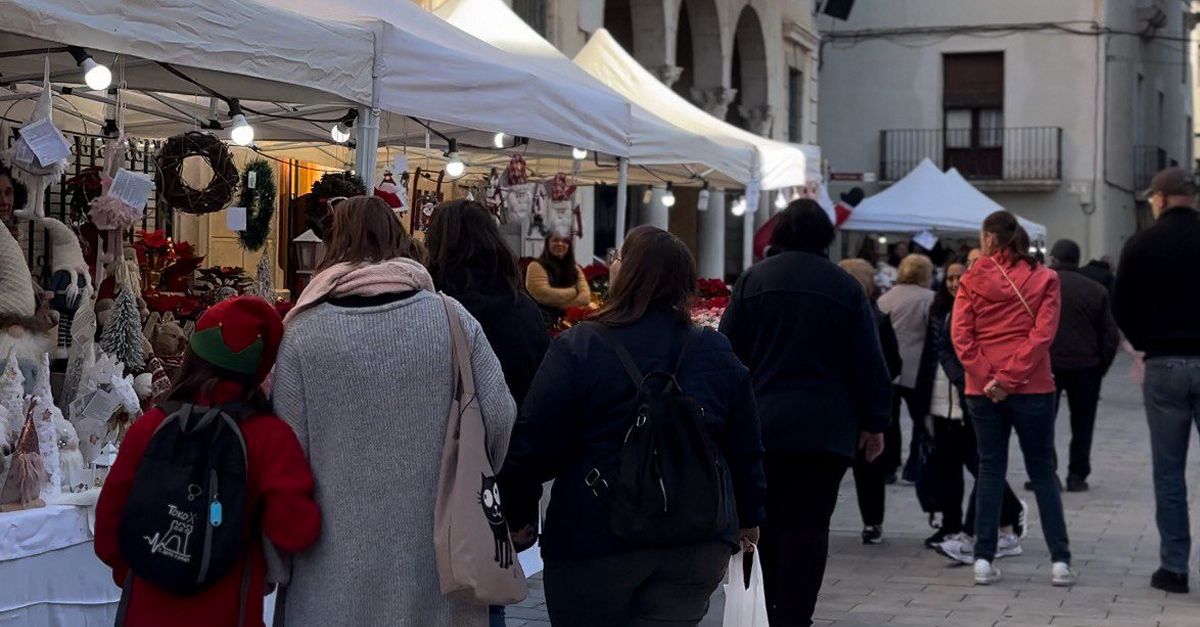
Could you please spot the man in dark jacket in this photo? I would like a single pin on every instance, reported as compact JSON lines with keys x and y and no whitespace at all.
{"x":1082,"y":352}
{"x":1100,"y":271}
{"x":808,"y":334}
{"x":1156,"y":303}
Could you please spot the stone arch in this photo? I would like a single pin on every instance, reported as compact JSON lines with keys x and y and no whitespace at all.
{"x":699,"y":49}
{"x":641,"y":27}
{"x":749,"y":75}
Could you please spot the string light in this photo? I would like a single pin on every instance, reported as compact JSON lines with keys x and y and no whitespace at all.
{"x":702,"y":199}
{"x":341,"y":131}
{"x":647,"y":195}
{"x":668,"y":199}
{"x":738,"y":208}
{"x":454,"y":163}
{"x":498,"y":140}
{"x":883,"y":240}
{"x":242,"y":133}
{"x":579,"y":154}
{"x":781,"y":201}
{"x":98,"y":77}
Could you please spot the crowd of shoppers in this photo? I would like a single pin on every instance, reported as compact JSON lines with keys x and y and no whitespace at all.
{"x":806,"y":378}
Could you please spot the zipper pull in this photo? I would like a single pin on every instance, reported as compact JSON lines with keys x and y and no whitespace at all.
{"x":214,"y":513}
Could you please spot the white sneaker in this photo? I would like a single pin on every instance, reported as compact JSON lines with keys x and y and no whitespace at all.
{"x":959,"y":547}
{"x":1022,"y":520}
{"x":1008,"y":545}
{"x":985,"y":573}
{"x":1061,"y":575}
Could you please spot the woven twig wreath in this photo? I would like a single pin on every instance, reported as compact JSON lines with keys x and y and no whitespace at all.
{"x":179,"y":195}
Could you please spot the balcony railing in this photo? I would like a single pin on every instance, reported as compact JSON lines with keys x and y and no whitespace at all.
{"x":1147,"y":161}
{"x":1016,"y":155}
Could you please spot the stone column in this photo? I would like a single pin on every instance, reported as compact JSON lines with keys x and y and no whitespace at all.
{"x":758,"y":118}
{"x":711,"y":237}
{"x":667,"y":74}
{"x":714,"y":100}
{"x":655,"y":213}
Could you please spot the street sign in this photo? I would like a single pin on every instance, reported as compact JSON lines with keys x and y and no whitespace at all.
{"x":855,"y":177}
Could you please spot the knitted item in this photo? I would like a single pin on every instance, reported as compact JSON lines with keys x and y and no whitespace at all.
{"x":16,"y":288}
{"x":23,"y":484}
{"x":241,"y":334}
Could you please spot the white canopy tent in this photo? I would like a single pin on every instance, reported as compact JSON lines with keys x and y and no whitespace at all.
{"x":772,"y":164}
{"x":929,"y":199}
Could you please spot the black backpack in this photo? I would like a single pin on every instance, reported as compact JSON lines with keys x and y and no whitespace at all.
{"x":182,"y":529}
{"x":669,"y":488}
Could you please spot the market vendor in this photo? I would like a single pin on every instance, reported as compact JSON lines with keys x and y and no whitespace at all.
{"x":12,"y":197}
{"x":554,"y":280}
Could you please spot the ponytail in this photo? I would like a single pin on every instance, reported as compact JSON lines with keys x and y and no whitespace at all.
{"x":1010,"y":235}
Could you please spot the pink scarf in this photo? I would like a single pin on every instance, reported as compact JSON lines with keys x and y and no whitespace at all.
{"x":350,"y":279}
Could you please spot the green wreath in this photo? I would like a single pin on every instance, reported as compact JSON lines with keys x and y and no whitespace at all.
{"x":259,"y":203}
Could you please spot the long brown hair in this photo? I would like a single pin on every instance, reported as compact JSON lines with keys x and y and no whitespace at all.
{"x":198,"y":379}
{"x":658,"y":274}
{"x":561,"y":272}
{"x":1011,"y":237}
{"x":363,"y":229}
{"x":463,"y":243}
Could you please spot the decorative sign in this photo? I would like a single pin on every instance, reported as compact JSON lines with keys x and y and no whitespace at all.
{"x":852,"y":177}
{"x":235,"y":219}
{"x":131,"y":188}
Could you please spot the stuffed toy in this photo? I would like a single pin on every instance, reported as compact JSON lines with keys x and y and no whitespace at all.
{"x":27,"y":168}
{"x":22,"y":486}
{"x":26,"y":321}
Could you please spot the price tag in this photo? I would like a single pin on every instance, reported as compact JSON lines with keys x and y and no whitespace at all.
{"x":131,"y":188}
{"x":400,"y":164}
{"x":46,"y":142}
{"x":235,"y":218}
{"x":252,"y":179}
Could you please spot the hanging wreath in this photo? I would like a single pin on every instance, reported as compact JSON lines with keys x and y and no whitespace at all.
{"x":332,"y":185}
{"x":179,"y":195}
{"x":259,"y":202}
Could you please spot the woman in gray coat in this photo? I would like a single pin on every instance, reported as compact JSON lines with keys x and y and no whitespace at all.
{"x":364,"y":377}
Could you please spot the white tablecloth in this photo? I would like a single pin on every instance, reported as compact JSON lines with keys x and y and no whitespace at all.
{"x":50,"y":572}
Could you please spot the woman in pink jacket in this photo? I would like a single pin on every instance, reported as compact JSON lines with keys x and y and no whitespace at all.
{"x":1004,"y":321}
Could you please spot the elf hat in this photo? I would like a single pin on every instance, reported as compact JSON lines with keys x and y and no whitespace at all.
{"x":241,"y":335}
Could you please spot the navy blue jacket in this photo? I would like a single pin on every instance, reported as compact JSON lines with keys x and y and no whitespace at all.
{"x":809,"y":336}
{"x":581,"y":404}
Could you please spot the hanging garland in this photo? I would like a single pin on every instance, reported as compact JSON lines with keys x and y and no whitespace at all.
{"x":332,"y":185}
{"x":259,"y":202}
{"x":179,"y":195}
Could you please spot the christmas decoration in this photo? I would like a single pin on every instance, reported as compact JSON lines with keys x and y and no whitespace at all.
{"x":82,"y":353}
{"x":85,"y":187}
{"x":41,"y":401}
{"x":27,"y":167}
{"x":563,"y":215}
{"x":258,"y":197}
{"x":396,"y":196}
{"x":27,"y":473}
{"x":176,"y":193}
{"x":122,"y":336}
{"x":17,"y":303}
{"x":331,"y":185}
{"x":216,"y":284}
{"x":264,"y":279}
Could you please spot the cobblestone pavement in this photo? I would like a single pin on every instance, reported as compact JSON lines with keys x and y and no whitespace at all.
{"x":1113,"y":540}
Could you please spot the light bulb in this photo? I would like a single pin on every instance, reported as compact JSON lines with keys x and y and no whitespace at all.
{"x":1033,"y":250}
{"x":883,"y":240}
{"x":97,"y":77}
{"x":781,"y":201}
{"x":668,"y":199}
{"x":702,"y":200}
{"x":579,"y":154}
{"x":242,"y":133}
{"x":340,"y":133}
{"x":454,"y":166}
{"x":738,"y":208}
{"x":647,"y":196}
{"x":498,"y":140}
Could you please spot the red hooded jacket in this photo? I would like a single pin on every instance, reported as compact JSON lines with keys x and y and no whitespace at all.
{"x":996,"y":336}
{"x":279,"y":486}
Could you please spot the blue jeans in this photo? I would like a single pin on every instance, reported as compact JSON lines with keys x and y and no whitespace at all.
{"x":1172,"y":396}
{"x":1032,"y":416}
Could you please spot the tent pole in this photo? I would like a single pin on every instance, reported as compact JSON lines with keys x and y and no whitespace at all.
{"x":366,"y":150}
{"x":622,"y":199}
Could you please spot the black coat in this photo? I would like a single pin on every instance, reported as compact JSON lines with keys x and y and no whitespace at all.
{"x":1156,"y":298}
{"x":582,"y":403}
{"x":1087,"y":333}
{"x":809,"y":336}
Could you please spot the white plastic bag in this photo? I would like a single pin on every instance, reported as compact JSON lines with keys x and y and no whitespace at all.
{"x":745,"y":606}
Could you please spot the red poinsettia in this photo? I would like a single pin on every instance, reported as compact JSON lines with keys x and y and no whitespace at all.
{"x":182,"y":305}
{"x":594,"y":271}
{"x":710,"y":288}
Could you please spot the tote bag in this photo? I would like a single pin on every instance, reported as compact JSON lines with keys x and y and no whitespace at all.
{"x":476,"y":560}
{"x":745,"y":605}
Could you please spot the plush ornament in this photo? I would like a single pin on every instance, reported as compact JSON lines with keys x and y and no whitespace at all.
{"x":44,"y":415}
{"x":391,"y":193}
{"x":82,"y":353}
{"x":122,"y":337}
{"x":75,"y":477}
{"x":563,"y":215}
{"x":26,"y":167}
{"x":27,"y":473}
{"x":160,"y":383}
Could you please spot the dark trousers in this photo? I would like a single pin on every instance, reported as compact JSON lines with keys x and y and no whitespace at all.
{"x":1032,"y":417}
{"x":795,"y":536}
{"x":668,"y":586}
{"x":1083,"y":396}
{"x":955,"y":449}
{"x":871,"y":488}
{"x":1172,"y":395}
{"x":893,"y":439}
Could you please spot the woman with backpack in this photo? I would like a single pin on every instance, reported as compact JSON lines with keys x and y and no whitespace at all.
{"x":365,"y":377}
{"x":228,"y":357}
{"x":613,"y":558}
{"x":1005,"y":318}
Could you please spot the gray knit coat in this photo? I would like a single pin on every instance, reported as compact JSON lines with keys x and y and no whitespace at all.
{"x":367,"y":391}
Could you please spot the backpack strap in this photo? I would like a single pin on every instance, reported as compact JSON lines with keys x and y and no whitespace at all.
{"x":623,"y":355}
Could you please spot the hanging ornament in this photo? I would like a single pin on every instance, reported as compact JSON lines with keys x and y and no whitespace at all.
{"x":40,"y":168}
{"x":179,"y":195}
{"x":258,"y":197}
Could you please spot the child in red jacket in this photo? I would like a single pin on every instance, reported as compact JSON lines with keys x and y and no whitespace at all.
{"x":232,"y":350}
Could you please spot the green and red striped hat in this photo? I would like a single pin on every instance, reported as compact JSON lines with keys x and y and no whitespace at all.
{"x":241,"y":335}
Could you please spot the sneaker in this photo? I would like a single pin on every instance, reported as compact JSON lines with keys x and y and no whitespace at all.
{"x":985,"y":573}
{"x":1061,"y":575}
{"x":872,"y":534}
{"x":1008,"y":545}
{"x":959,"y":548}
{"x":1168,"y":581}
{"x":1077,"y":484}
{"x":1020,"y":527}
{"x":937,"y":538}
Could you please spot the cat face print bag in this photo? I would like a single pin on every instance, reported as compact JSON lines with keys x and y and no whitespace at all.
{"x":476,"y":560}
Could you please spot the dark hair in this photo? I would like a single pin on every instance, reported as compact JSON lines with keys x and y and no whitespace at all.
{"x":463,"y":241}
{"x":803,"y":226}
{"x":1010,"y":235}
{"x":20,"y":193}
{"x":365,"y":229}
{"x":658,"y":274}
{"x":562,"y":272}
{"x":198,"y":378}
{"x":943,"y":301}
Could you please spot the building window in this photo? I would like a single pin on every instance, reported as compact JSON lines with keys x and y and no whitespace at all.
{"x":973,"y":113}
{"x":795,"y":105}
{"x":533,"y":12}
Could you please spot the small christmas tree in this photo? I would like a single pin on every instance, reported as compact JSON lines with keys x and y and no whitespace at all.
{"x":122,"y":338}
{"x":264,"y":279}
{"x":12,"y":391}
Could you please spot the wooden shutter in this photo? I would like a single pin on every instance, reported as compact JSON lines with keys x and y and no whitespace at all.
{"x":973,"y":81}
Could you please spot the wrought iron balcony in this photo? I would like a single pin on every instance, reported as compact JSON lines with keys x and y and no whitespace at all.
{"x":1000,"y":159}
